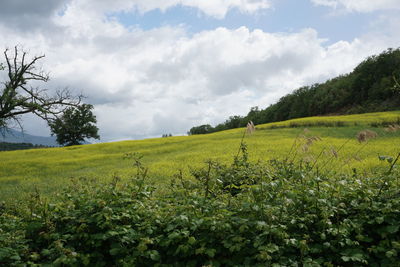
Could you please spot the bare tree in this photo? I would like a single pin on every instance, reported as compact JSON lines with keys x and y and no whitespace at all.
{"x":18,"y":96}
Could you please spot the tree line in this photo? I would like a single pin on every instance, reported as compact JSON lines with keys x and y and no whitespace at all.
{"x":5,"y":146}
{"x":371,"y":87}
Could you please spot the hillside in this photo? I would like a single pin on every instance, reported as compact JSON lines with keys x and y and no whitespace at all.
{"x":51,"y":169}
{"x":371,"y":87}
{"x":14,"y":136}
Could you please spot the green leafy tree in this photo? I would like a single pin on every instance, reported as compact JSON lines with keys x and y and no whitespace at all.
{"x":75,"y":125}
{"x":202,"y":129}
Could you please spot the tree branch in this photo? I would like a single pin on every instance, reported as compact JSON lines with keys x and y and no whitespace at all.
{"x":16,"y":98}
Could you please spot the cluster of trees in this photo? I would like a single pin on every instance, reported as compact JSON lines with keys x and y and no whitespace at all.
{"x":5,"y":146}
{"x":166,"y":135}
{"x":371,"y":87}
{"x":69,"y":119}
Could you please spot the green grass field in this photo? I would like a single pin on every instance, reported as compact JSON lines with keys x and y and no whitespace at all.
{"x":50,"y":169}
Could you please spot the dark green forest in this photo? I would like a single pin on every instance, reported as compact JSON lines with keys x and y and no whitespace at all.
{"x":4,"y":146}
{"x":371,"y":87}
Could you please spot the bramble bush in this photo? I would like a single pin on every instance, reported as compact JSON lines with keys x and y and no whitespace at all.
{"x":276,"y":213}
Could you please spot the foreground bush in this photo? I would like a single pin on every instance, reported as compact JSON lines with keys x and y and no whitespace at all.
{"x":246,"y":214}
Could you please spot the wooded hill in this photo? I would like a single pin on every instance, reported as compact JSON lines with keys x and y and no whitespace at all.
{"x":372,"y":86}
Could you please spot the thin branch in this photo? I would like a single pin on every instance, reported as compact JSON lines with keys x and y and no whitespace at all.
{"x":8,"y":64}
{"x":16,"y":98}
{"x":394,"y":163}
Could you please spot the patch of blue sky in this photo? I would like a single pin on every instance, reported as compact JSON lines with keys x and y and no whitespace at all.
{"x":285,"y":16}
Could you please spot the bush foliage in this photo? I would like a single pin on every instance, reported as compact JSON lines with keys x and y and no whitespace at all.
{"x":275,"y":213}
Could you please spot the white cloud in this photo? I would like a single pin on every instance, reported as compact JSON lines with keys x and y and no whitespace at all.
{"x":214,"y":8}
{"x":360,"y":5}
{"x":28,"y":15}
{"x":147,"y":83}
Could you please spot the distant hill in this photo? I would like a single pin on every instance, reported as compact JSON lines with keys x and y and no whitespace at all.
{"x":13,"y":136}
{"x":372,"y":86}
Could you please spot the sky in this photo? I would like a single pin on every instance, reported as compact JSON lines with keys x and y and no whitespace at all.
{"x":152,"y":67}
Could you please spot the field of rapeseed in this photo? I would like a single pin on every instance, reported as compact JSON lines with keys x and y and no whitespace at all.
{"x":328,"y":142}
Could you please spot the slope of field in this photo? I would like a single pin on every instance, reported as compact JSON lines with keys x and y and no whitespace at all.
{"x":338,"y":150}
{"x":369,"y":119}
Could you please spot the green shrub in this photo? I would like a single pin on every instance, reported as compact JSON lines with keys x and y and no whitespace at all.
{"x":243,"y":214}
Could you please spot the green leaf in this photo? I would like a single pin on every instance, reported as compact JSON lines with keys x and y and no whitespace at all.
{"x":15,"y":257}
{"x":115,"y":251}
{"x":154,"y":255}
{"x":392,"y":229}
{"x":391,"y":253}
{"x":345,"y":258}
{"x":191,"y":240}
{"x":210,"y":252}
{"x":45,"y":252}
{"x":379,"y":220}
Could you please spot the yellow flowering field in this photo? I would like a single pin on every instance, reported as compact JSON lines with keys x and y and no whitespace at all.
{"x":333,"y":149}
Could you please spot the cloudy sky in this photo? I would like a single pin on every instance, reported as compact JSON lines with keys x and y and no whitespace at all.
{"x":152,"y":67}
